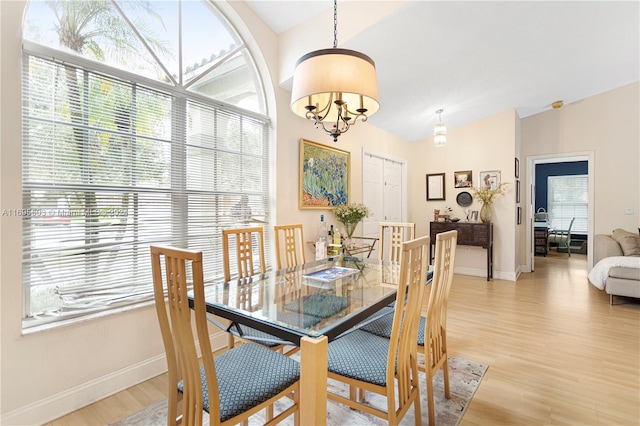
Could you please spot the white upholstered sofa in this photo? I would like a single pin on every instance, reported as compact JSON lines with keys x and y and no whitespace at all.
{"x":616,"y":260}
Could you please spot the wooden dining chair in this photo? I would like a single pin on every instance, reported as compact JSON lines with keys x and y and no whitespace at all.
{"x":247,"y":242}
{"x":392,"y":235}
{"x":215,"y":387}
{"x":290,"y":244}
{"x":433,"y":316}
{"x":433,"y":337}
{"x":249,"y":259}
{"x":372,"y":363}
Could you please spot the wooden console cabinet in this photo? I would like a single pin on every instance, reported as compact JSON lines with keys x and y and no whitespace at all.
{"x":469,"y":234}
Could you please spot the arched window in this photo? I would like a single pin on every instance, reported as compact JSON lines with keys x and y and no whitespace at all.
{"x":143,"y":123}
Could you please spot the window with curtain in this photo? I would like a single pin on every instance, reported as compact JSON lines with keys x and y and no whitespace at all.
{"x":568,"y":198}
{"x":133,"y":135}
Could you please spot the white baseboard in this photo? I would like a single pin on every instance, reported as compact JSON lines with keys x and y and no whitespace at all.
{"x":72,"y":399}
{"x":475,"y":272}
{"x":69,"y":400}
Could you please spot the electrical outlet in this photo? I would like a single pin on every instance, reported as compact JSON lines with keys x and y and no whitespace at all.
{"x":628,"y":209}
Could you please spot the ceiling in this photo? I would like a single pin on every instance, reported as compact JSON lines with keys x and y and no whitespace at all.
{"x":479,"y":58}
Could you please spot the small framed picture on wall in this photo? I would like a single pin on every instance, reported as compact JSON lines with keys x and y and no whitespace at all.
{"x":519,"y":213}
{"x":489,"y":179}
{"x":463,"y":179}
{"x":435,"y":187}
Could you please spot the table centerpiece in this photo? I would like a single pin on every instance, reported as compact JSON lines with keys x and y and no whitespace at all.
{"x":350,"y":215}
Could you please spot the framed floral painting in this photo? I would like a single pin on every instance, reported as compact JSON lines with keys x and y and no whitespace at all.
{"x":324,"y":176}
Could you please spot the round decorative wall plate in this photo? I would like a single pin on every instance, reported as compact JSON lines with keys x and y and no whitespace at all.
{"x":464,"y":199}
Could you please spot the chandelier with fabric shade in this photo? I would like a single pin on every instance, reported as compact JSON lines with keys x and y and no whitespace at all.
{"x":440,"y":131}
{"x":335,"y":87}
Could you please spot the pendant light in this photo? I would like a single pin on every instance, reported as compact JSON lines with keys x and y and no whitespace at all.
{"x":440,"y":131}
{"x":335,"y":87}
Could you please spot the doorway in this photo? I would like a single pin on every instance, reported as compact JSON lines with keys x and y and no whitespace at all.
{"x":532,"y":162}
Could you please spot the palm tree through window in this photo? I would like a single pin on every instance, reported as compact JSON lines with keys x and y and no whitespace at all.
{"x":143,"y":123}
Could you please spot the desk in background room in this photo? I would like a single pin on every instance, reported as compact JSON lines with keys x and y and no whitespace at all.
{"x":541,"y":237}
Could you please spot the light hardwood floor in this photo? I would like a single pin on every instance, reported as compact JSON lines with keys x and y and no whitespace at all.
{"x":558,"y":353}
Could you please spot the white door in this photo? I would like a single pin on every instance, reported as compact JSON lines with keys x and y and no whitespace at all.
{"x":383,"y":191}
{"x":392,"y":191}
{"x":373,"y":193}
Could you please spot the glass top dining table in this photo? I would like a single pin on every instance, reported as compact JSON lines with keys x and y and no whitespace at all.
{"x":308,"y":306}
{"x":321,"y":298}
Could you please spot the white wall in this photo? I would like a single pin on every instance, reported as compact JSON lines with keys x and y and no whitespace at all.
{"x":608,"y":125}
{"x":487,"y":144}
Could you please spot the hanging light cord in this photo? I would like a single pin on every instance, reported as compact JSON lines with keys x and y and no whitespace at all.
{"x":335,"y":23}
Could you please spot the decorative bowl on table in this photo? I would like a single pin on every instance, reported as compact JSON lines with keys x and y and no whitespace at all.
{"x":455,"y":219}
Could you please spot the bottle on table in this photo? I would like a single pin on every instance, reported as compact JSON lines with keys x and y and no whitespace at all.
{"x":330,"y":247}
{"x":337,"y":242}
{"x":321,"y":241}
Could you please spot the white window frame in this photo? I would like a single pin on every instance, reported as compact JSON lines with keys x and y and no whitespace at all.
{"x":181,"y":232}
{"x":567,"y":198}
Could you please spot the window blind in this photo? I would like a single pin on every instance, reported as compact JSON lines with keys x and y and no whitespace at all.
{"x":110,"y":167}
{"x":568,"y":197}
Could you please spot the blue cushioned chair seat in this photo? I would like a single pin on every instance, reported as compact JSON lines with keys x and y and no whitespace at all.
{"x":294,"y":318}
{"x":318,"y":305}
{"x":382,"y":327}
{"x":346,"y":357}
{"x":258,"y":336}
{"x":248,"y":375}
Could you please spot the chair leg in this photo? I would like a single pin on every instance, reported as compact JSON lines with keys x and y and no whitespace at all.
{"x":296,"y":414}
{"x":269,"y":413}
{"x":432,"y":411}
{"x":174,"y":412}
{"x":230,"y":341}
{"x":445,"y":372}
{"x":417,"y":410}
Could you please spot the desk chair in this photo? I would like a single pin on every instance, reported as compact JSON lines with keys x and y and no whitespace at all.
{"x":372,"y":363}
{"x":392,"y":235}
{"x":289,"y":238}
{"x":215,"y":387}
{"x":562,"y":236}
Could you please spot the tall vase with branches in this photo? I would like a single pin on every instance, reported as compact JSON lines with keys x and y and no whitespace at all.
{"x":487,"y":196}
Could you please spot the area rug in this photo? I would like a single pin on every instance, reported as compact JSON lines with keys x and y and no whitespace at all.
{"x":464,"y":378}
